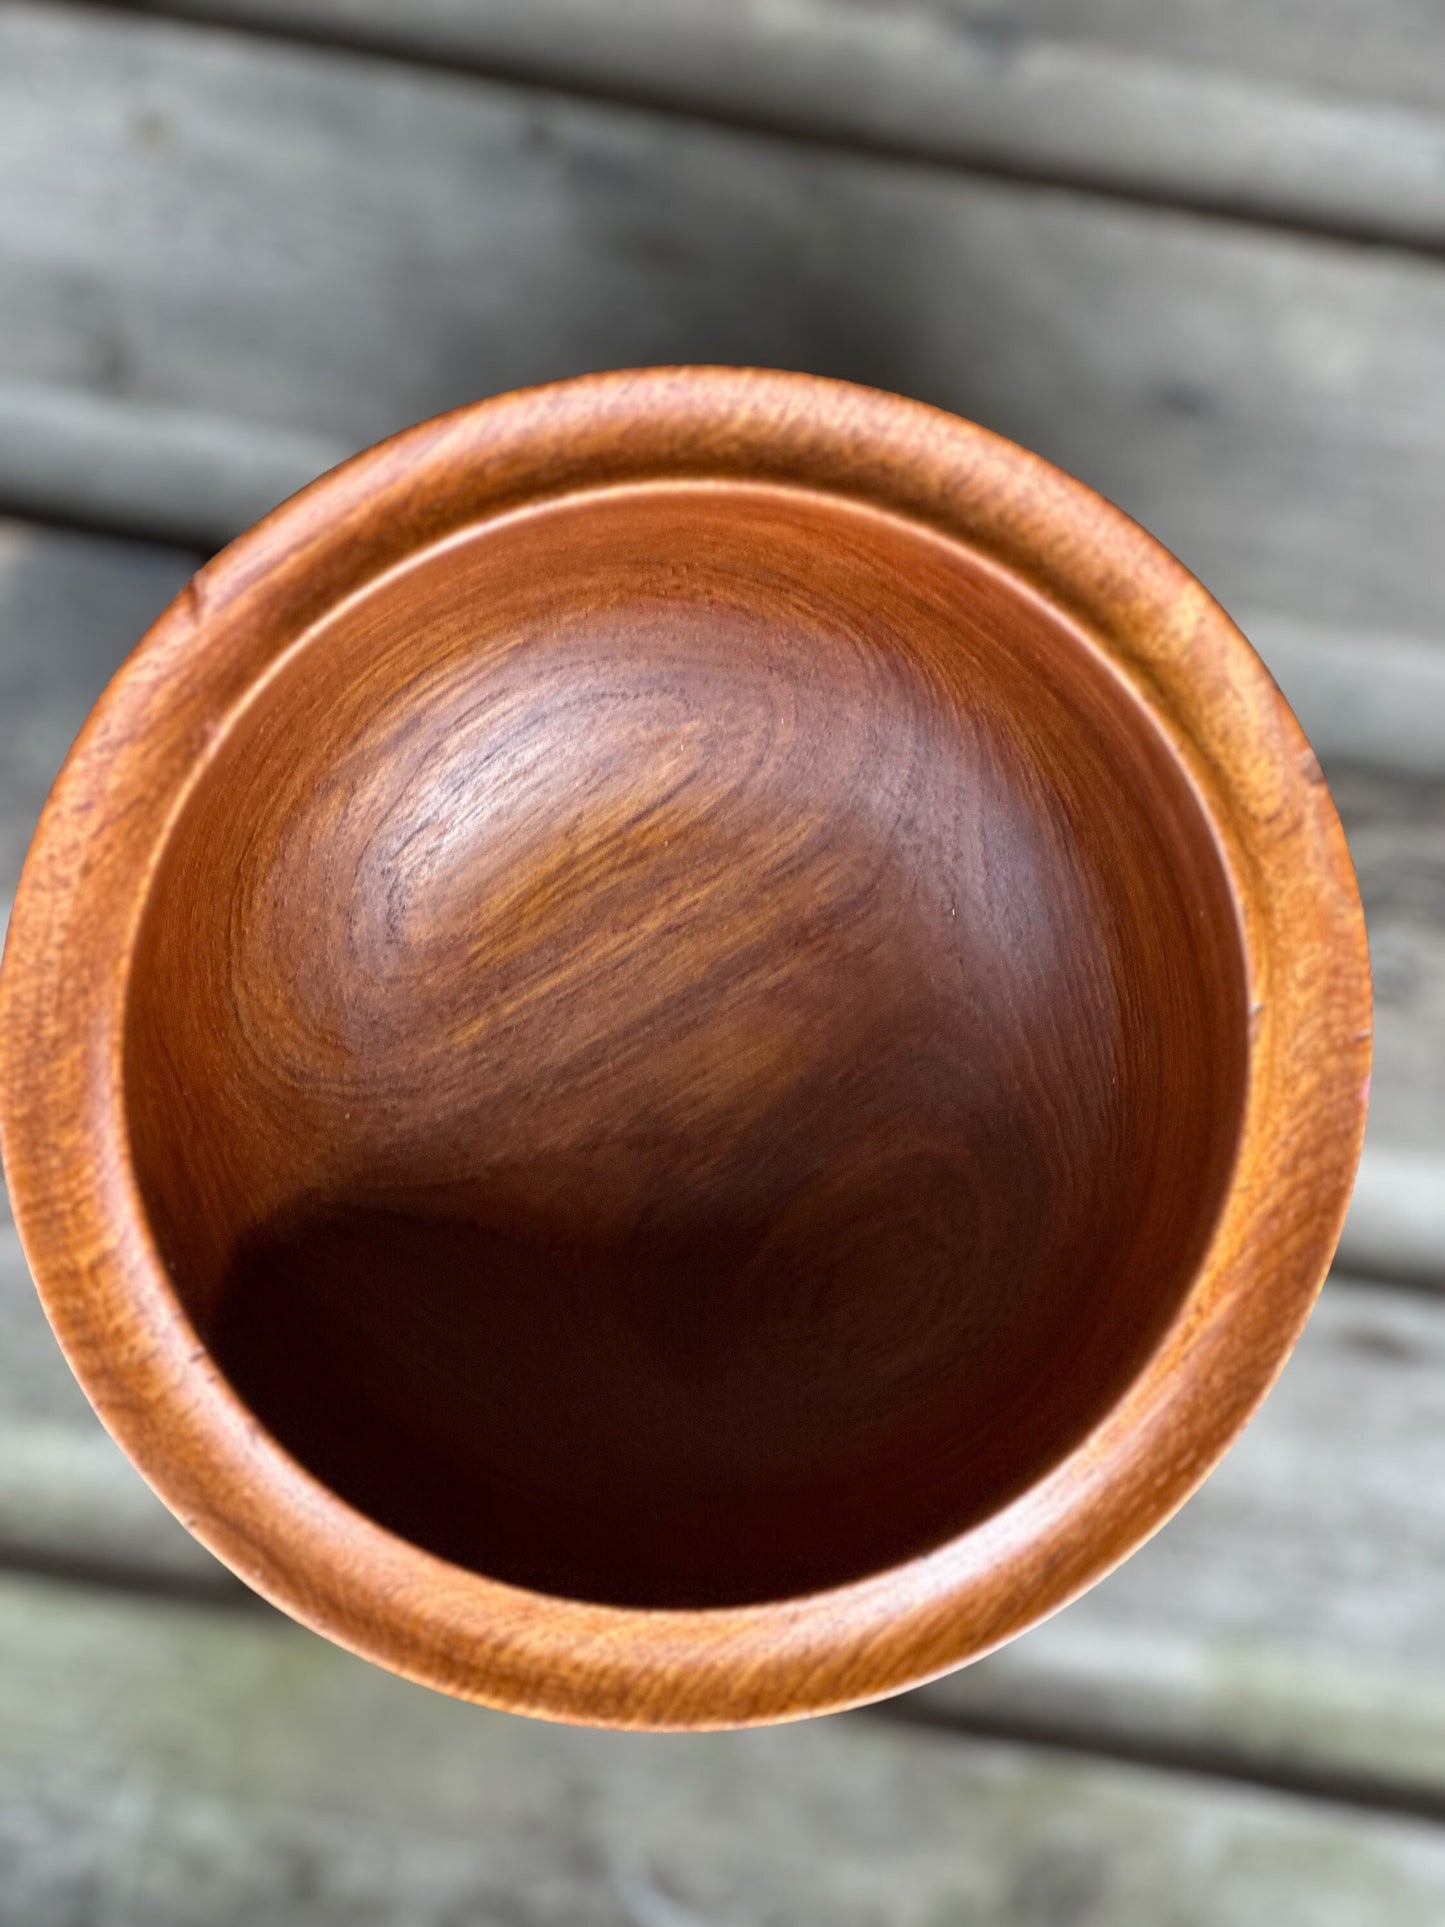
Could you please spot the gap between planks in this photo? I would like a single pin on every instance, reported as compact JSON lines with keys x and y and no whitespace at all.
{"x":1316,"y":1782}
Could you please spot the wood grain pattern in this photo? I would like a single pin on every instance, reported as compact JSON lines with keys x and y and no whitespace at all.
{"x":1269,"y":406}
{"x":161,"y":1767}
{"x":1253,"y":1627}
{"x":847,"y":533}
{"x":681,"y":934}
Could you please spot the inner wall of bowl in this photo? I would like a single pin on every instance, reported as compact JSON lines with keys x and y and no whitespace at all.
{"x":686,"y":1047}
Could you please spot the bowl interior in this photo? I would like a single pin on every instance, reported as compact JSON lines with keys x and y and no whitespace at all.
{"x":686,"y":1046}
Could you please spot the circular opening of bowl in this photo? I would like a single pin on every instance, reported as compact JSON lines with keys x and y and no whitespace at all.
{"x":686,"y":1044}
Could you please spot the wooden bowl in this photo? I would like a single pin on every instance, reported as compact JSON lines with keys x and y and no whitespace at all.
{"x":683,"y":1047}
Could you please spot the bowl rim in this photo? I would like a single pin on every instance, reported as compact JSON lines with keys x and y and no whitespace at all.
{"x":83,"y":889}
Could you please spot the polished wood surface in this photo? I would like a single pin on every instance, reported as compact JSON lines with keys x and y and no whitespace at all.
{"x":1239,"y":1634}
{"x":686,"y":1046}
{"x":828,"y":873}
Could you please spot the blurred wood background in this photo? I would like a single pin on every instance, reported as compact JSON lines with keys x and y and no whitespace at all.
{"x":1194,"y":250}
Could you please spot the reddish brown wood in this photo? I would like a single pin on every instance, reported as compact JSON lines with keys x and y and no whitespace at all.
{"x":683,"y":1047}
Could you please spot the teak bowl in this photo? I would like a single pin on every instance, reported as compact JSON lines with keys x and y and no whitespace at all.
{"x":683,"y":1047}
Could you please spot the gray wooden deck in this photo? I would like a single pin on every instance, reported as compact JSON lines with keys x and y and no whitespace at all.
{"x":1192,"y":249}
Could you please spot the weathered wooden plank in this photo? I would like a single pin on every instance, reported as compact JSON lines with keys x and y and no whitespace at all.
{"x":159,"y":1765}
{"x":169,"y":473}
{"x":1044,"y":92}
{"x":71,"y":606}
{"x":205,"y":228}
{"x":1397,"y":1213}
{"x":71,"y":1505}
{"x":1366,"y":699}
{"x":1397,"y":838}
{"x":1387,"y":49}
